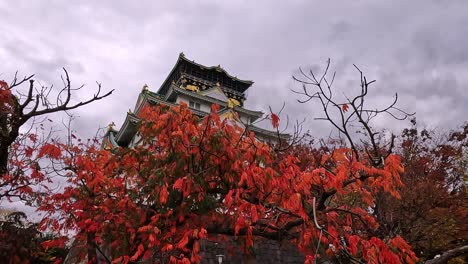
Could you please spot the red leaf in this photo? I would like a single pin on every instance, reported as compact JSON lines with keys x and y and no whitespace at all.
{"x":138,"y":253}
{"x":33,"y":137}
{"x":28,"y":151}
{"x":178,"y":184}
{"x":3,"y":85}
{"x":345,"y":108}
{"x":58,"y":242}
{"x":202,"y":234}
{"x":353,"y":243}
{"x":309,"y":259}
{"x":163,"y":194}
{"x":183,"y":242}
{"x":167,"y":247}
{"x":274,"y":120}
{"x":253,"y":213}
{"x":50,"y":150}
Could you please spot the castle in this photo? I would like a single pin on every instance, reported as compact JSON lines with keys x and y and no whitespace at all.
{"x":199,"y":87}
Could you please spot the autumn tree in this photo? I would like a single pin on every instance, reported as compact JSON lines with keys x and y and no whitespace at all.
{"x":24,"y":173}
{"x":431,"y":214}
{"x":27,"y":109}
{"x":21,"y":241}
{"x":189,"y":178}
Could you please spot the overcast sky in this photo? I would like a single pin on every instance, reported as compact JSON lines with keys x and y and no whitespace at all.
{"x":416,"y":48}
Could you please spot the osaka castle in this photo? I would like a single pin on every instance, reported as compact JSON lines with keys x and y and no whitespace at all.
{"x":199,"y":87}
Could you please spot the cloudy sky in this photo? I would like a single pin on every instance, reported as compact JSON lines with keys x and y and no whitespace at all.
{"x":416,"y":48}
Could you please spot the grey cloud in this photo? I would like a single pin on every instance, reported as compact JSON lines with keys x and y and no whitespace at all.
{"x":414,"y":48}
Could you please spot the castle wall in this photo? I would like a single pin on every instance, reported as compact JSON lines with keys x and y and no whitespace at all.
{"x":264,"y":252}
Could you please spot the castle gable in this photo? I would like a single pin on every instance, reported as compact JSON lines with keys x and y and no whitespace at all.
{"x":215,"y":93}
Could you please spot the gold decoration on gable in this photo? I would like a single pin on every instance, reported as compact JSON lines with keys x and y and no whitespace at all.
{"x":192,"y":88}
{"x":228,"y":115}
{"x":233,"y":103}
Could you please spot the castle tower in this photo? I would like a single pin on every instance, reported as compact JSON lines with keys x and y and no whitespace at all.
{"x":199,"y":87}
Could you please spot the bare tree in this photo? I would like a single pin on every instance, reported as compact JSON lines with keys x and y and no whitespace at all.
{"x":320,"y":88}
{"x":36,"y":103}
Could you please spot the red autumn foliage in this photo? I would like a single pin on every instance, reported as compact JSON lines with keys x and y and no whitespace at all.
{"x":20,"y":154}
{"x":28,"y":156}
{"x":21,"y":242}
{"x":431,"y":214}
{"x":190,"y":177}
{"x":50,"y":150}
{"x":6,"y":100}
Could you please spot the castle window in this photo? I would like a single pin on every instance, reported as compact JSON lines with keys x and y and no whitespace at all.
{"x":194,"y":105}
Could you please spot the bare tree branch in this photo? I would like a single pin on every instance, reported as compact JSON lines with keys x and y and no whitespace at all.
{"x":34,"y":104}
{"x":344,"y":118}
{"x":446,"y":256}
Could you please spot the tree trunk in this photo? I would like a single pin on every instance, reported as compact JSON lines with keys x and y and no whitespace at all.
{"x":7,"y":138}
{"x":3,"y":158}
{"x":446,"y":256}
{"x":91,"y":249}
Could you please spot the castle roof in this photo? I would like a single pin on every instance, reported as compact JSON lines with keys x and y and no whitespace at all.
{"x":206,"y":74}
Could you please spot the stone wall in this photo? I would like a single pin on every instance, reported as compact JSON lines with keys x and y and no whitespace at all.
{"x":264,"y":252}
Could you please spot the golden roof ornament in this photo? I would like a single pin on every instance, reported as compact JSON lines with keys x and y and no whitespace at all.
{"x":145,"y":88}
{"x":233,"y":103}
{"x":192,"y":88}
{"x":110,"y":126}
